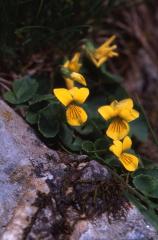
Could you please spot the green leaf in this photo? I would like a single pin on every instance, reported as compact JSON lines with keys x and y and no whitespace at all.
{"x":101,"y":148}
{"x":69,"y":139}
{"x":86,"y":129}
{"x":139,"y":129}
{"x":76,"y":144}
{"x":148,"y":185}
{"x":66,"y":135}
{"x":24,"y":89}
{"x":153,"y":172}
{"x":40,"y":98}
{"x":113,"y":161}
{"x":92,"y":105}
{"x":10,"y":97}
{"x":32,"y":117}
{"x":100,"y":123}
{"x":149,"y":163}
{"x":101,"y":144}
{"x":44,"y":85}
{"x":34,"y":110}
{"x":87,"y":146}
{"x":48,"y":122}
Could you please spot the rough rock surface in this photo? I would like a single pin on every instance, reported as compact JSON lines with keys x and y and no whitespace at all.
{"x":49,"y":196}
{"x":125,"y":229}
{"x":19,"y":147}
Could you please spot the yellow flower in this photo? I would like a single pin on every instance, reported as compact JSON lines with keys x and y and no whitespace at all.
{"x":71,"y":70}
{"x":75,"y":114}
{"x":103,"y":53}
{"x":121,"y":113}
{"x":73,"y":65}
{"x":129,"y":161}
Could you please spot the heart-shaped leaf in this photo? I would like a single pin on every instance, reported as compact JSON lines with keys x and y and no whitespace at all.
{"x":40,"y":98}
{"x":148,"y":185}
{"x":66,"y":135}
{"x":153,"y":172}
{"x":24,"y":89}
{"x":48,"y":122}
{"x":32,"y":117}
{"x":87,"y":146}
{"x":139,"y":129}
{"x":10,"y":97}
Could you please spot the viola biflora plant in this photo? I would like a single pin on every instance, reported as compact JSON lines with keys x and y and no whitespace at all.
{"x":92,"y":114}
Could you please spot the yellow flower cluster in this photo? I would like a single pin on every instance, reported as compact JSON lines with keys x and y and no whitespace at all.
{"x":119,"y":112}
{"x":103,"y":53}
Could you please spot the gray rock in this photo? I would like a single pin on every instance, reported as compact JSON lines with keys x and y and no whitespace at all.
{"x":42,"y":192}
{"x":19,"y":148}
{"x":134,"y":227}
{"x":95,"y":172}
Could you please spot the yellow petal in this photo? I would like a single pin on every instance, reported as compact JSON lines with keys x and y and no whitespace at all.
{"x":117,"y":129}
{"x":105,"y":56}
{"x":99,"y":59}
{"x":73,"y":64}
{"x":107,"y":42}
{"x":114,"y":104}
{"x":94,"y":60}
{"x":63,"y":95}
{"x":113,"y":54}
{"x":69,"y":83}
{"x":129,"y":161}
{"x":116,"y":148}
{"x":104,"y":52}
{"x":66,"y":64}
{"x":76,"y":115}
{"x":78,"y":78}
{"x":129,"y":114}
{"x":127,"y":143}
{"x":106,"y":112}
{"x":76,"y":57}
{"x":125,"y":104}
{"x":112,"y":48}
{"x":79,"y":94}
{"x":102,"y":60}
